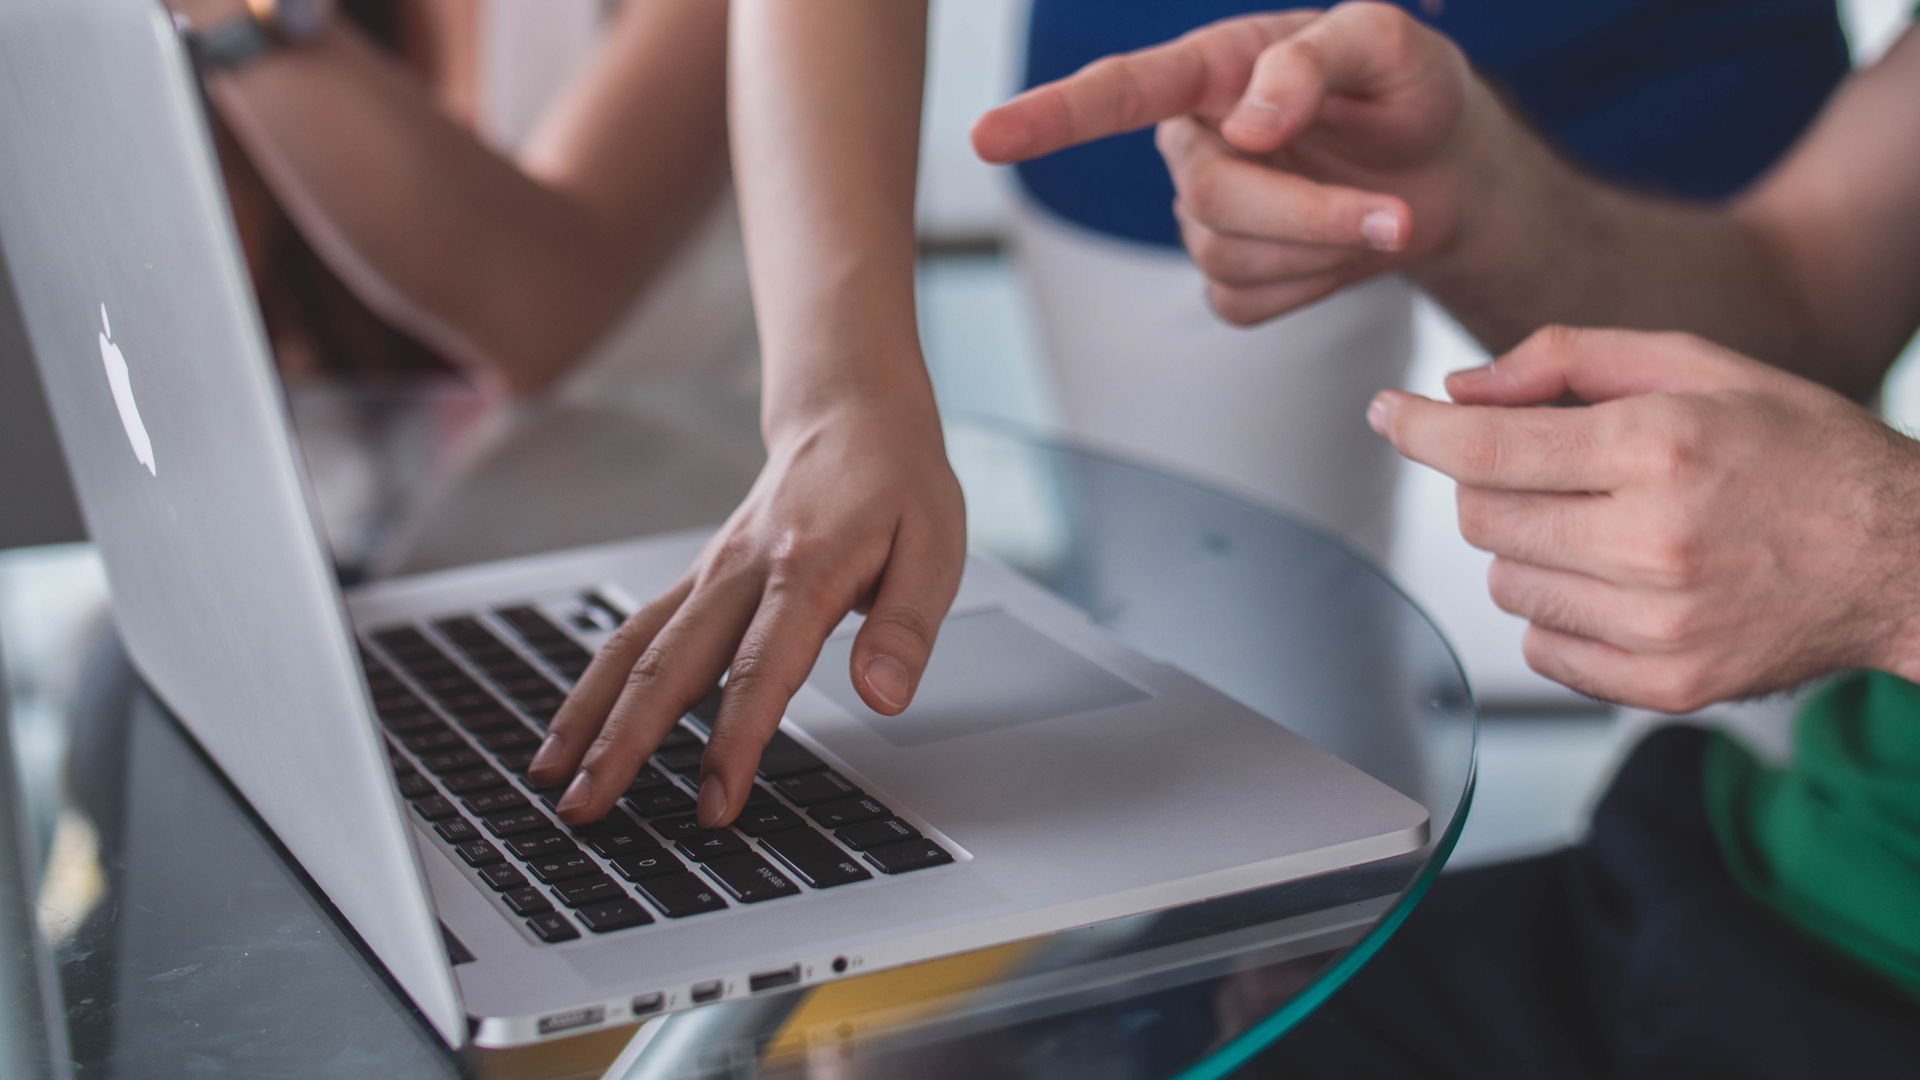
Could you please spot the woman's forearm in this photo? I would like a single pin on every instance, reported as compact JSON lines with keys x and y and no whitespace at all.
{"x":510,"y":269}
{"x":825,"y":105}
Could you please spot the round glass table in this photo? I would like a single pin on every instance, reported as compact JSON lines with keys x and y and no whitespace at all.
{"x":202,"y":950}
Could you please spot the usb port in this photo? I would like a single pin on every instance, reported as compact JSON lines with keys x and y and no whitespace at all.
{"x":648,"y":1004}
{"x":567,"y":1021}
{"x":773,"y":980}
{"x":706,"y":991}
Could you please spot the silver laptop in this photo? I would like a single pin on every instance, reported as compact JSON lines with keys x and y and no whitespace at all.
{"x":1046,"y":777}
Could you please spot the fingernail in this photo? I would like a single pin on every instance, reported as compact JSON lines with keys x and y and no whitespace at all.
{"x":1472,"y":374}
{"x":887,"y":678}
{"x":579,"y":793}
{"x":1381,"y":229}
{"x":548,"y":754}
{"x":1255,"y":117}
{"x":713,"y":802}
{"x":1377,"y":414}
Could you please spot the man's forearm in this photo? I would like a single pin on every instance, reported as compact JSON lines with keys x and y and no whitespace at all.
{"x":1540,"y":242}
{"x":1812,"y":270}
{"x":825,"y":105}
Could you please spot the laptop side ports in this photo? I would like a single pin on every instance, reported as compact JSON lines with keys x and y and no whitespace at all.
{"x":773,"y":980}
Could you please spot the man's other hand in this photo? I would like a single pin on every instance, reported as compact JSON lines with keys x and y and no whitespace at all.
{"x":1309,"y":150}
{"x":1706,"y":528}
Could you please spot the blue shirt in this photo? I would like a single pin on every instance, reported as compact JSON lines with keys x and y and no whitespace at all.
{"x":1690,"y":97}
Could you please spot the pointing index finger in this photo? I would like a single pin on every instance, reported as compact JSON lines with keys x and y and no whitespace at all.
{"x":1525,"y":449}
{"x":1203,"y":72}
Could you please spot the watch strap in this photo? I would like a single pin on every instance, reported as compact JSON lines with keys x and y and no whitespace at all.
{"x":231,"y":44}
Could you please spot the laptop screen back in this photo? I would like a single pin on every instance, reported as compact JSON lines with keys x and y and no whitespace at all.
{"x":143,"y":325}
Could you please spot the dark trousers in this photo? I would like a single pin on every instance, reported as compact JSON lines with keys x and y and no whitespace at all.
{"x":1632,"y":955}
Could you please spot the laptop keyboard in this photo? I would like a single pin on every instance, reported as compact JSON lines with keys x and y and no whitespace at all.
{"x":461,"y":733}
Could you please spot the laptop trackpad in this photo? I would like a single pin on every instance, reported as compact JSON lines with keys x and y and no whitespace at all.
{"x":989,"y":671}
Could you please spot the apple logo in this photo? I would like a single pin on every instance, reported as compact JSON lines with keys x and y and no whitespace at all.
{"x":122,"y":384}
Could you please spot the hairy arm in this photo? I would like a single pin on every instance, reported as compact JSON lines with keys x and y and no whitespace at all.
{"x":1816,"y":269}
{"x":1286,"y":135}
{"x":513,"y":267}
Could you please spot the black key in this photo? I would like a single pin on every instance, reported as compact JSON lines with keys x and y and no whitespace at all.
{"x":527,"y":901}
{"x":400,"y":638}
{"x":427,"y":666}
{"x":452,"y":761}
{"x":912,"y":855}
{"x":807,"y":789}
{"x":412,"y":724}
{"x":508,"y":738}
{"x":413,"y":785}
{"x":711,"y":844}
{"x":395,"y":701}
{"x":873,"y":834}
{"x":750,"y":878}
{"x":472,"y":704}
{"x":815,"y":858}
{"x":451,"y":688}
{"x":527,"y":619}
{"x":684,"y":760}
{"x":580,"y":892}
{"x":561,"y":867}
{"x":490,"y":719}
{"x":526,"y":683}
{"x":784,"y":756}
{"x":542,"y":708}
{"x":434,"y":739}
{"x":675,"y":828}
{"x":836,"y":815}
{"x":573,"y":668}
{"x":680,"y":736}
{"x":647,"y":779}
{"x":462,"y":783}
{"x":680,"y":895}
{"x":504,"y":876}
{"x":518,"y":761}
{"x":551,"y":795}
{"x":767,"y":819}
{"x":758,"y":797}
{"x":434,"y":807}
{"x":660,"y":802}
{"x":479,"y":853}
{"x":542,"y":845}
{"x":707,"y":708}
{"x":552,"y":928}
{"x":492,"y":802}
{"x":456,"y":830}
{"x":597,"y":599}
{"x":617,"y":834}
{"x":648,"y":863}
{"x":613,"y":915}
{"x":464,"y":630}
{"x":515,"y":822}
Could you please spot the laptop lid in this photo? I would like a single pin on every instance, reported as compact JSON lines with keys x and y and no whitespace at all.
{"x":142,"y":322}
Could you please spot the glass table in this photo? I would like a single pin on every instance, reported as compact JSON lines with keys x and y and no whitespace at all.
{"x":200,"y":949}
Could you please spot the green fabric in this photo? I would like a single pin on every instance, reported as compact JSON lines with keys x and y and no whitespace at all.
{"x":1832,"y":842}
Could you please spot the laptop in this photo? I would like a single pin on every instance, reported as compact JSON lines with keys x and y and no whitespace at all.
{"x":1046,"y":777}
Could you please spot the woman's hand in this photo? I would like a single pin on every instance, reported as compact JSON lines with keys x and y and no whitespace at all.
{"x":857,"y":510}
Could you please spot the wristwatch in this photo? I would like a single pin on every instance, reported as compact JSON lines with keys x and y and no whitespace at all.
{"x":266,"y":25}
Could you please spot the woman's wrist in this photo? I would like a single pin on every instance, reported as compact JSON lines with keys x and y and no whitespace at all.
{"x":894,"y":391}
